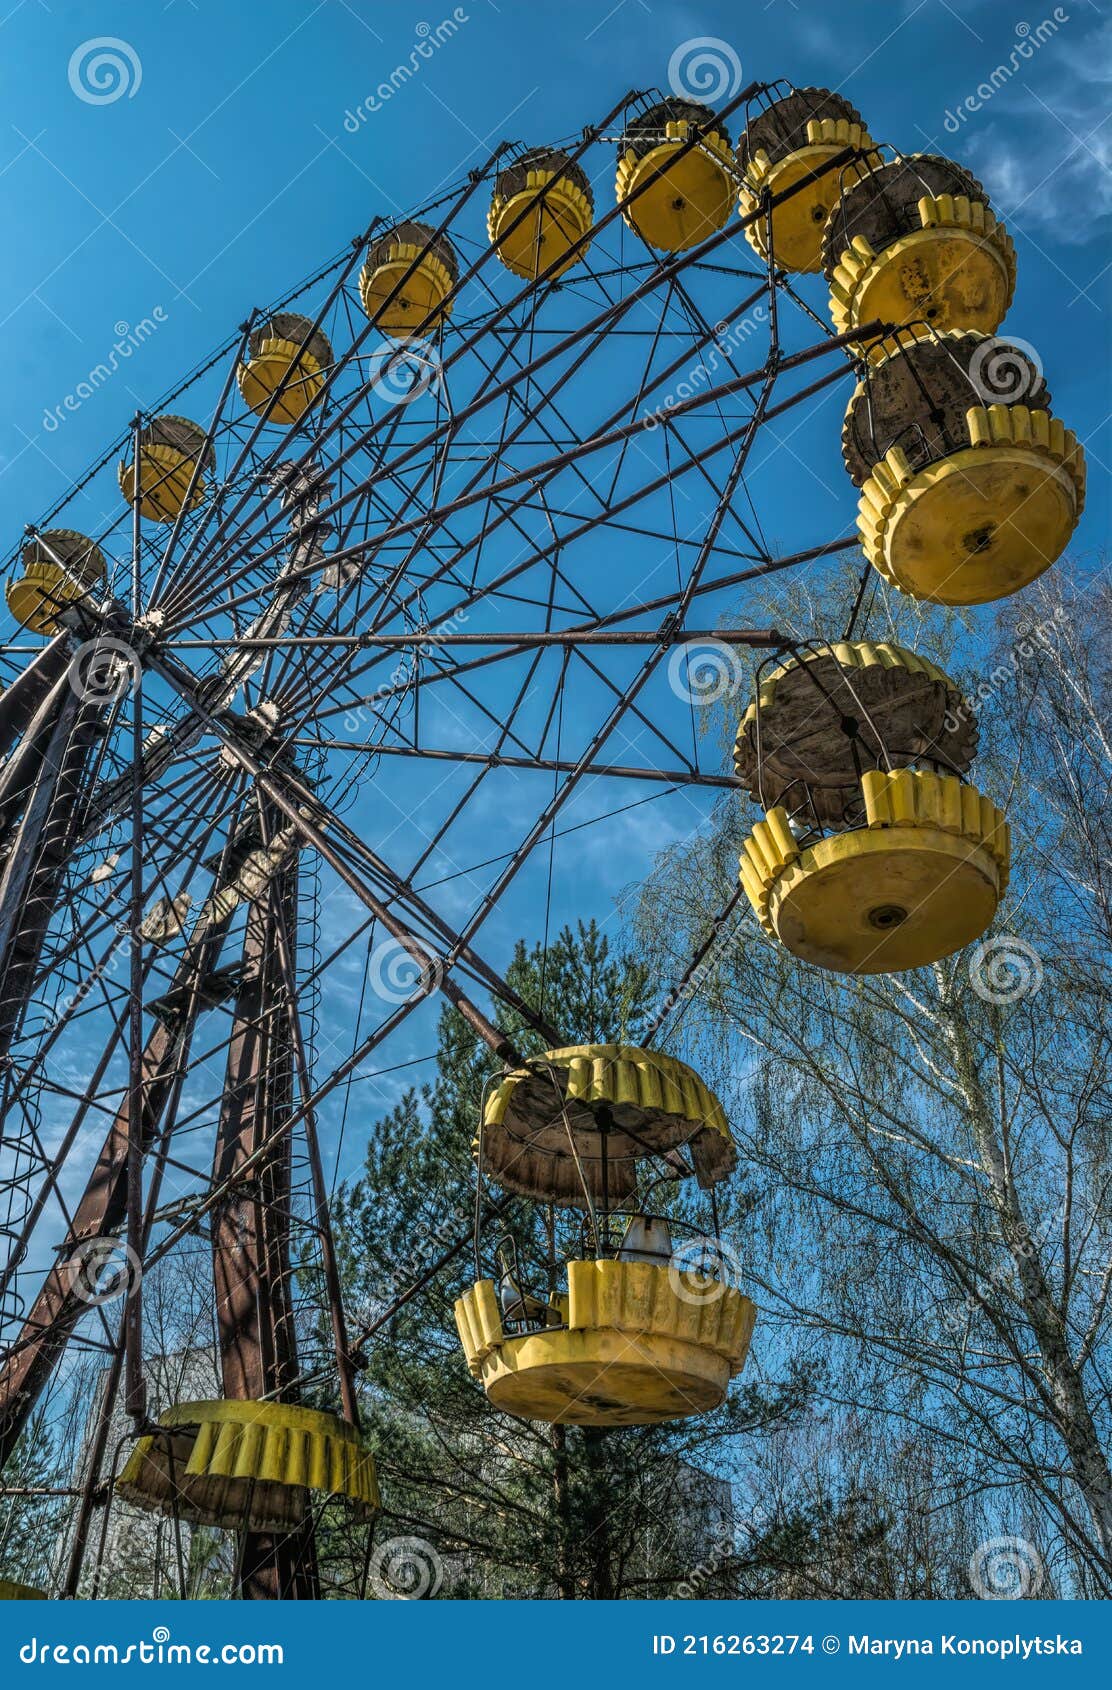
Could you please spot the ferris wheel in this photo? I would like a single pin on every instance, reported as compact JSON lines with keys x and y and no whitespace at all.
{"x":351,"y":621}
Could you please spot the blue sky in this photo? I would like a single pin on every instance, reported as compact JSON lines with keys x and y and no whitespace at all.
{"x":227,"y":173}
{"x":242,"y":154}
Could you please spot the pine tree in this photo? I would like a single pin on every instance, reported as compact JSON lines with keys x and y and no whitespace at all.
{"x":506,"y":1507}
{"x":30,"y":1512}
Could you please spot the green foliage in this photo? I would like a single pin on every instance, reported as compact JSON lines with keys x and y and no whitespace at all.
{"x":29,"y":1516}
{"x":513,"y":1508}
{"x":926,"y":1154}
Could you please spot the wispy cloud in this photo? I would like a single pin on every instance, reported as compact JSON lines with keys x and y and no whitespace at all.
{"x":1057,"y":175}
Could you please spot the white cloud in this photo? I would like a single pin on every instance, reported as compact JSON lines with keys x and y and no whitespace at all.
{"x":1055,"y":174}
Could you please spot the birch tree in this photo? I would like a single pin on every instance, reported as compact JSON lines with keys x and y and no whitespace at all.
{"x":928,"y":1152}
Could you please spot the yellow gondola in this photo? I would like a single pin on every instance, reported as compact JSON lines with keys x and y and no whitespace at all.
{"x":921,"y":877}
{"x":251,"y":1466}
{"x":170,"y":450}
{"x":781,"y":145}
{"x":541,"y":207}
{"x":628,"y":1348}
{"x":11,"y":1592}
{"x":407,"y":277}
{"x":965,"y":496}
{"x":874,"y":855}
{"x":682,"y":196}
{"x":288,"y":358}
{"x":59,"y":567}
{"x":823,"y":718}
{"x":541,"y":1135}
{"x":915,"y":240}
{"x":642,"y":1332}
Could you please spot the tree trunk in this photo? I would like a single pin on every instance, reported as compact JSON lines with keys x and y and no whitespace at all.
{"x":1070,"y":1408}
{"x":600,"y":1573}
{"x":565,"y":1578}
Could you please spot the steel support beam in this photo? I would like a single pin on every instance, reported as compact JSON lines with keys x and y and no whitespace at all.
{"x":38,"y":850}
{"x":250,"y":1225}
{"x":101,"y":1211}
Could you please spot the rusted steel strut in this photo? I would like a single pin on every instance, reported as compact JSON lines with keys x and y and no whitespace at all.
{"x":62,"y":1300}
{"x":250,"y":1225}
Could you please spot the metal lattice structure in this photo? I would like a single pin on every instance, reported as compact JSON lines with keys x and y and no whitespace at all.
{"x":382,"y":600}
